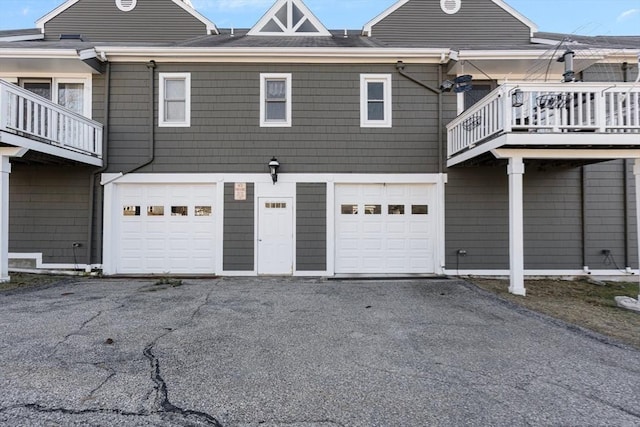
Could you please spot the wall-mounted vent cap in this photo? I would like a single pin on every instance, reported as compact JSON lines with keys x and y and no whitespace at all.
{"x":126,"y":5}
{"x":450,"y":6}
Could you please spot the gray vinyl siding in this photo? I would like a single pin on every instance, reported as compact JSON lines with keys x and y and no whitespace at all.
{"x":478,"y":23}
{"x":101,"y":20}
{"x":477,"y":217}
{"x":605,"y":216}
{"x":311,"y":227}
{"x":48,"y":211}
{"x":238,"y":230}
{"x":225,"y":135}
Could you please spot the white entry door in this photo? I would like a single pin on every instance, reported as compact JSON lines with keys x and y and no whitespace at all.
{"x":275,"y":236}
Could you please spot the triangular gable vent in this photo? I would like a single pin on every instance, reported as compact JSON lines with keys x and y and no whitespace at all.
{"x":289,"y":18}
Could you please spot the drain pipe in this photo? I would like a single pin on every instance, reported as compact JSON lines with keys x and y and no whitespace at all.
{"x":151,"y":65}
{"x":583,"y":213}
{"x":400,"y":67}
{"x":105,"y":164}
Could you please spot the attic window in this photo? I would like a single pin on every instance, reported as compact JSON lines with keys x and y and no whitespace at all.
{"x":450,"y":6}
{"x":126,"y":5}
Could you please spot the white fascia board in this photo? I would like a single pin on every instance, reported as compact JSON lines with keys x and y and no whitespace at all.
{"x":368,"y":27}
{"x":55,"y":12}
{"x":39,"y":53}
{"x":526,"y":21}
{"x":211,"y":27}
{"x":24,"y":38}
{"x":417,"y":55}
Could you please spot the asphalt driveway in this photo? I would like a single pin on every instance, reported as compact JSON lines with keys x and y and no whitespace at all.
{"x":302,"y":353}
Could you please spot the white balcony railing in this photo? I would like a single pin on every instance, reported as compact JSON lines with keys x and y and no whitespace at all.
{"x":606,"y":108}
{"x":31,"y":116}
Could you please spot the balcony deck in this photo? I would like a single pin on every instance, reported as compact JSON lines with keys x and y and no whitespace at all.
{"x":32,"y":122}
{"x":558,"y":116}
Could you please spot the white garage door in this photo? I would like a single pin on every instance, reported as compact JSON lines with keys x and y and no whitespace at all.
{"x":385,"y":228}
{"x":166,"y":229}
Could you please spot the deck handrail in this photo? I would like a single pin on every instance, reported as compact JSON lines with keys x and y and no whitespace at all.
{"x":547,"y":108}
{"x":29,"y":115}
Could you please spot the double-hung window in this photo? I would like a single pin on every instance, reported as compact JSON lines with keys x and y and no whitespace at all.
{"x":275,"y":100}
{"x":174,"y":109}
{"x":375,"y":100}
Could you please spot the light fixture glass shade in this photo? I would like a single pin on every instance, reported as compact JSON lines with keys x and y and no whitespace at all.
{"x":273,"y":169}
{"x":517,"y":98}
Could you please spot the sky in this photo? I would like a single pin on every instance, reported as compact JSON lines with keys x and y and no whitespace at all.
{"x":585,"y":17}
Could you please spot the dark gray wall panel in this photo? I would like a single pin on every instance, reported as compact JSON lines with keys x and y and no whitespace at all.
{"x":423,"y":23}
{"x":150,"y":21}
{"x":552,"y":218}
{"x":605,"y":216}
{"x":238,"y":230}
{"x":477,"y":217}
{"x":311,"y":227}
{"x":326,"y":136}
{"x":48,"y":211}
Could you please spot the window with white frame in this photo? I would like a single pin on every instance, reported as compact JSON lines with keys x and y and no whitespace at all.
{"x":375,"y":100}
{"x":73,"y":93}
{"x":174,"y":109}
{"x":275,"y":100}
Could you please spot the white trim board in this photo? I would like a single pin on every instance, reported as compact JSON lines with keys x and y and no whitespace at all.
{"x":542,"y":273}
{"x":37,"y":257}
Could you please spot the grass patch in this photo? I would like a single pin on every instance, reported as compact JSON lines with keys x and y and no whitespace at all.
{"x":25,"y":281}
{"x":579,"y":302}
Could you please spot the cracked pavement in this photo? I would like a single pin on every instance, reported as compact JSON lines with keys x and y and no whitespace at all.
{"x":251,"y":352}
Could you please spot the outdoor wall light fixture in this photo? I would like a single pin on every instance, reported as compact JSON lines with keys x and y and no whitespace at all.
{"x":517,"y":98}
{"x":274,"y":164}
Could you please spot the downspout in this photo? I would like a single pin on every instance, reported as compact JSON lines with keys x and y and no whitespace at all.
{"x":400,"y":67}
{"x":151,"y":65}
{"x":105,"y":164}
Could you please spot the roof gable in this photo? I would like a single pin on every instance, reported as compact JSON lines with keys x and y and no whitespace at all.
{"x":289,"y":18}
{"x":368,"y":27}
{"x":184,"y":4}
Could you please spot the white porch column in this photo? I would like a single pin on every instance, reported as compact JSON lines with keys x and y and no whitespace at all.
{"x":516,"y":226}
{"x":5,"y":170}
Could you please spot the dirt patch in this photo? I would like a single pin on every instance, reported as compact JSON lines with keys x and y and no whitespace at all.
{"x":581,"y":303}
{"x":27,"y":281}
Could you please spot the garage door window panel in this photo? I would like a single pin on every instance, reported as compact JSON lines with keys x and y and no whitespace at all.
{"x":179,"y":211}
{"x":155,"y":211}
